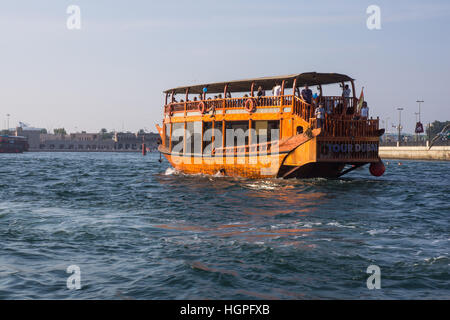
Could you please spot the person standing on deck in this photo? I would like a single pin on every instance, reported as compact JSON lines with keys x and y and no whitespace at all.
{"x":307,"y":94}
{"x":276,"y":90}
{"x":346,"y":95}
{"x":364,"y":111}
{"x":320,"y":115}
{"x":346,"y":92}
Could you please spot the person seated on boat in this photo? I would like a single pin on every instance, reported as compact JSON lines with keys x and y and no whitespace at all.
{"x":220,"y":96}
{"x":307,"y":94}
{"x":364,"y":111}
{"x":181,"y":100}
{"x":195,"y":98}
{"x":215,"y":97}
{"x":277,"y":89}
{"x":245,"y":95}
{"x":260,"y":92}
{"x":320,"y":115}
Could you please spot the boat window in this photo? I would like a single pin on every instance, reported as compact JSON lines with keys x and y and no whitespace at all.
{"x":259,"y":135}
{"x":207,"y":137}
{"x":177,"y":137}
{"x":218,"y":134}
{"x":194,"y":137}
{"x":273,"y":130}
{"x":236,"y":133}
{"x":263,"y":131}
{"x":167,"y":135}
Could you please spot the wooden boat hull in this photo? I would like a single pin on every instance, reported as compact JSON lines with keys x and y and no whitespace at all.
{"x":298,"y":157}
{"x":254,"y":167}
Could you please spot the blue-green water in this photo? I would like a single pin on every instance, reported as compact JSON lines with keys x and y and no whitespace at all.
{"x":139,"y":231}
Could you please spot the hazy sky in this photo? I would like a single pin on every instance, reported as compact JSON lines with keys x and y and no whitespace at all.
{"x":112,"y":72}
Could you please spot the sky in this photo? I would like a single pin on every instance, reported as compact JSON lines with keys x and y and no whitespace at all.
{"x":111,"y":73}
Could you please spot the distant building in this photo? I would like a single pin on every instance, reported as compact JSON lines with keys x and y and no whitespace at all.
{"x":86,"y":142}
{"x":32,"y":135}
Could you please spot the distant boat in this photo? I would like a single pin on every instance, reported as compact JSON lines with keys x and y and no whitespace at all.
{"x":13,"y":144}
{"x":257,"y":136}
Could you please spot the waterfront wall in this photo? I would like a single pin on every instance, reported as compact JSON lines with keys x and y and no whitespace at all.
{"x":415,"y":153}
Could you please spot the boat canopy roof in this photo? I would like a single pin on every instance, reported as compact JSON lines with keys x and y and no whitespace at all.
{"x":267,"y":83}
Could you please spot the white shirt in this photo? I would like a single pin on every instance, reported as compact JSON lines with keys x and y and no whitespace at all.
{"x":277,"y":90}
{"x":365,"y":112}
{"x":347,"y":93}
{"x":319,"y":113}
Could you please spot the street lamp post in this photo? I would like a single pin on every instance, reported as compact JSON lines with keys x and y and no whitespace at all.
{"x":417,"y":135}
{"x":399,"y":124}
{"x":7,"y":122}
{"x":419,"y":102}
{"x":387,"y":124}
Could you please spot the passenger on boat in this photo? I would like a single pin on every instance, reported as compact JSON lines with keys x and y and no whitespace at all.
{"x":200,"y":97}
{"x":277,"y":89}
{"x":346,"y":95}
{"x":195,"y":98}
{"x":320,"y":115}
{"x":364,"y":111}
{"x":346,"y":92}
{"x":220,"y":96}
{"x":260,"y":92}
{"x":307,"y":94}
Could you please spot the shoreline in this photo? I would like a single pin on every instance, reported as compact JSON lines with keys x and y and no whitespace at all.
{"x":439,"y":153}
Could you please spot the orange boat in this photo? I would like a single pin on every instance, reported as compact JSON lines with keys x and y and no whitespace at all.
{"x":259,"y":136}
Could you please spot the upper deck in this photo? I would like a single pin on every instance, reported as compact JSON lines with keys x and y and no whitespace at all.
{"x":339,"y":120}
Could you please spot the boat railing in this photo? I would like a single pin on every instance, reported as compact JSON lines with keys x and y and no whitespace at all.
{"x":332,"y":127}
{"x":265,"y":147}
{"x":228,"y":103}
{"x":302,"y":108}
{"x":337,"y":104}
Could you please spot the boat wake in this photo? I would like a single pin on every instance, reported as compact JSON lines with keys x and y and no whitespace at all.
{"x":171,"y":171}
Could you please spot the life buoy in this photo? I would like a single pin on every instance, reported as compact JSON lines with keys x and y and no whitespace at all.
{"x":250,"y":105}
{"x":201,"y":107}
{"x":377,"y":168}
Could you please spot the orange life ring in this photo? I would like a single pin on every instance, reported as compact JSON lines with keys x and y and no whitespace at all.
{"x":201,"y":107}
{"x":250,"y":105}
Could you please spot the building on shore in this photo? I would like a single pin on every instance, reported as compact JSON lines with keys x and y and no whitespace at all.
{"x":86,"y":142}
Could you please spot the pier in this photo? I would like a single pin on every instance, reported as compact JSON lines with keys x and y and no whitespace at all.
{"x":415,"y":152}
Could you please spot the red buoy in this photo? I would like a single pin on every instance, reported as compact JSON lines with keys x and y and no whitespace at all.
{"x":377,"y":168}
{"x":144,"y":149}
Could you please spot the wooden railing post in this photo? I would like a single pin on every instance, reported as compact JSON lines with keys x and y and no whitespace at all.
{"x":186,"y":101}
{"x":225,"y":91}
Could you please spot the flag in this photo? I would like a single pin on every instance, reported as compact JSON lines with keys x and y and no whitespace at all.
{"x":360,"y":101}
